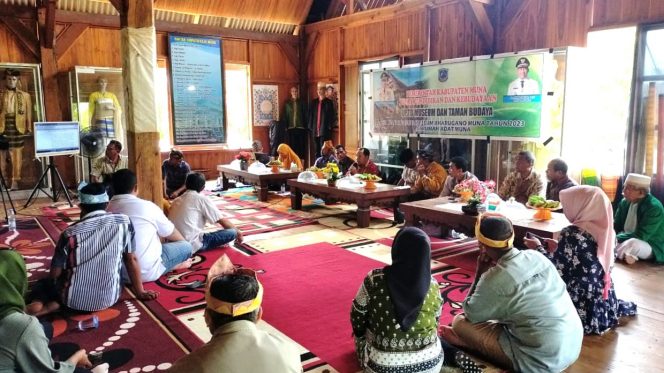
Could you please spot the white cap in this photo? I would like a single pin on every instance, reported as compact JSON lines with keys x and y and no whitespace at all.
{"x":637,"y":180}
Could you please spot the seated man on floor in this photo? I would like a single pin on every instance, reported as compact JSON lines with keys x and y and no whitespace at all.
{"x":364,"y":164}
{"x":344,"y":160}
{"x":430,"y":177}
{"x":458,"y":173}
{"x":104,"y":166}
{"x":150,"y":224}
{"x":524,"y":181}
{"x":91,"y":249}
{"x":639,"y":222}
{"x":233,"y":298}
{"x":556,"y":173}
{"x":191,"y":211}
{"x":173,"y":172}
{"x":517,"y":314}
{"x":327,"y":155}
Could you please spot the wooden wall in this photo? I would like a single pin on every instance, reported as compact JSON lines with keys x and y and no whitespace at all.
{"x":445,"y":29}
{"x":100,"y":47}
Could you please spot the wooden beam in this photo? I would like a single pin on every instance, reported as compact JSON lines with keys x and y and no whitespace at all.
{"x":312,"y":40}
{"x":18,"y":11}
{"x":511,"y":11}
{"x":67,"y":38}
{"x":25,"y":36}
{"x":363,"y":5}
{"x":375,"y":15}
{"x":184,"y":28}
{"x":117,"y":4}
{"x":427,"y":34}
{"x":291,"y":53}
{"x":351,"y":7}
{"x":138,"y":81}
{"x":478,"y":13}
{"x":48,"y":7}
{"x":49,"y":70}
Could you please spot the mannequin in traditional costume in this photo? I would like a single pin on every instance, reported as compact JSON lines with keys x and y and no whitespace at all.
{"x":15,"y":125}
{"x":105,"y":112}
{"x":295,"y":122}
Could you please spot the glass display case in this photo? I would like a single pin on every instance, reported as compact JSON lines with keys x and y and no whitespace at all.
{"x":21,"y":104}
{"x":97,"y":102}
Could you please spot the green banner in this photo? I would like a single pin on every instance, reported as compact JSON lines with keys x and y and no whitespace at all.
{"x":493,"y":97}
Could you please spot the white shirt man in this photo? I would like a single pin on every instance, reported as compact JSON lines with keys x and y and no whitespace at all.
{"x":150,"y":224}
{"x":523,"y":85}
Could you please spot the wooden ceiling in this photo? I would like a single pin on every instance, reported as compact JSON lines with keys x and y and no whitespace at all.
{"x":292,"y":12}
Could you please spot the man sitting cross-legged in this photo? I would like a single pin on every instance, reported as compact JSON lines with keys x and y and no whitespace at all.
{"x":518,"y":313}
{"x":233,"y":307}
{"x":150,"y":224}
{"x":86,"y":266}
{"x":191,"y":211}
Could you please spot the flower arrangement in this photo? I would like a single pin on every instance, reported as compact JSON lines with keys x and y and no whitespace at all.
{"x":244,"y":156}
{"x":474,"y":190}
{"x":332,"y":171}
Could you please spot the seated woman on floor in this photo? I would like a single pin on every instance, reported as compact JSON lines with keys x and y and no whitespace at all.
{"x":23,"y":344}
{"x":287,"y":156}
{"x":396,"y":310}
{"x":584,"y":255}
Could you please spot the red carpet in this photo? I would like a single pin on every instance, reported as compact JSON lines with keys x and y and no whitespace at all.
{"x":123,"y":328}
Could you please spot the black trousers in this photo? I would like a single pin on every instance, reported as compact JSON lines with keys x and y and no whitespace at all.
{"x":297,"y":140}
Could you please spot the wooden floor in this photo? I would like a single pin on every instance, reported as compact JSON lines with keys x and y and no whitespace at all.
{"x":636,"y":346}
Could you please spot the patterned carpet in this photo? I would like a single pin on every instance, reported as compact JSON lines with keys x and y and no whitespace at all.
{"x":316,"y":256}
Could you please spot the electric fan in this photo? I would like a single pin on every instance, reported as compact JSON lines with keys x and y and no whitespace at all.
{"x":92,"y":146}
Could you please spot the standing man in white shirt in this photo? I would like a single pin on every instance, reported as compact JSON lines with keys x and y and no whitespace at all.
{"x":523,"y":85}
{"x":150,"y":224}
{"x":191,"y":211}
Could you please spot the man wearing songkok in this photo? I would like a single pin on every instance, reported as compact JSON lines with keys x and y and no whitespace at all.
{"x":639,"y":222}
{"x":556,"y":173}
{"x":86,"y":266}
{"x":534,"y":326}
{"x":192,"y":210}
{"x":233,"y":307}
{"x":430,"y":177}
{"x":524,"y":181}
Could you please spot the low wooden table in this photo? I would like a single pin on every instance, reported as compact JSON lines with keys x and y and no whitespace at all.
{"x":363,"y":198}
{"x":447,"y":213}
{"x":260,"y":179}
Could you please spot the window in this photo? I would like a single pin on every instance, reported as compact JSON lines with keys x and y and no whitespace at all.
{"x":642,"y":138}
{"x":163,"y":107}
{"x":238,"y":105}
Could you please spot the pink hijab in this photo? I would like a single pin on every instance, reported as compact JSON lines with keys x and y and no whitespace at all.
{"x":588,"y":208}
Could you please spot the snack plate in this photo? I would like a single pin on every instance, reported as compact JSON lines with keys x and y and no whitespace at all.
{"x":560,"y":207}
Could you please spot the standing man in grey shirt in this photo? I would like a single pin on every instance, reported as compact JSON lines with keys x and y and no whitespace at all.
{"x":534,"y":326}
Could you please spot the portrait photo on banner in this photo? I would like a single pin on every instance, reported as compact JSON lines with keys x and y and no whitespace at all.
{"x":265,"y":104}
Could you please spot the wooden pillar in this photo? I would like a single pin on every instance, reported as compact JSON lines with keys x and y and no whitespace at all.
{"x":46,"y":17}
{"x":139,"y":61}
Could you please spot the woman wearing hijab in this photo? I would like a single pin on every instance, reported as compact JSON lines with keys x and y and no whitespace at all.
{"x":396,"y":310}
{"x":23,"y":344}
{"x":288,"y":156}
{"x":584,"y":256}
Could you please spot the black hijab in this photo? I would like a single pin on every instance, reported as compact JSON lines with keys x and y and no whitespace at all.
{"x":409,"y":276}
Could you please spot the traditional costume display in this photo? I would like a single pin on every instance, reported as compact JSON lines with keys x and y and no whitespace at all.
{"x":15,"y":124}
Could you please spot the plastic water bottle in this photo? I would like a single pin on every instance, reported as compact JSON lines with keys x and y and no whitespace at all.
{"x":293,"y":167}
{"x":283,"y":188}
{"x":91,"y":323}
{"x":493,"y":202}
{"x":11,"y":220}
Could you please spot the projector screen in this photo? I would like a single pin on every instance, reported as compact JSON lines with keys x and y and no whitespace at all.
{"x":56,"y":138}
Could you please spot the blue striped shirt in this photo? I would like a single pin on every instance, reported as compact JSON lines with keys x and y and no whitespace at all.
{"x":90,"y":254}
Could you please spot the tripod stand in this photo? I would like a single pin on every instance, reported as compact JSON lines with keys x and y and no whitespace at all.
{"x":3,"y":190}
{"x":54,"y":172}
